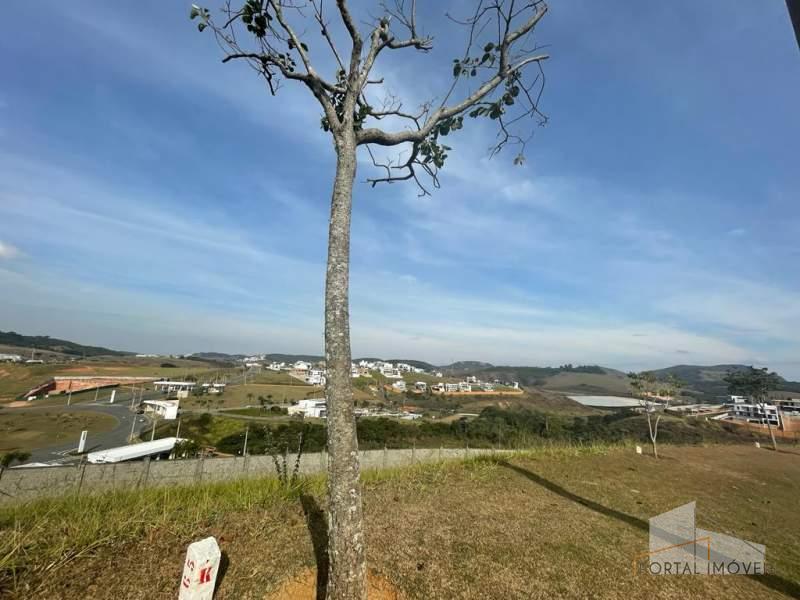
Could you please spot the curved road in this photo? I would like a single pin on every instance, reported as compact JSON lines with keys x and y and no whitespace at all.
{"x":94,"y":441}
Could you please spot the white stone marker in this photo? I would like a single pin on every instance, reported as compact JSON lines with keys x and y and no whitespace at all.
{"x":638,"y":449}
{"x":113,"y":393}
{"x":200,"y":570}
{"x":758,"y":445}
{"x":82,"y":443}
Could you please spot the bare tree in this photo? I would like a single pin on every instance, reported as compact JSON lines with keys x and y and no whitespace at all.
{"x":649,"y":389}
{"x":489,"y":79}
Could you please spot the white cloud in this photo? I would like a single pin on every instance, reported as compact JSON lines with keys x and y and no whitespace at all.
{"x":7,"y":251}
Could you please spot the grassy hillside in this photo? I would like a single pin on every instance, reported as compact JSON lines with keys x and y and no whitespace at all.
{"x":45,"y":342}
{"x":553,"y":523}
{"x":707,"y":382}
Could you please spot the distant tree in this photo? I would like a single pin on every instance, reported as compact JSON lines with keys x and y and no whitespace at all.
{"x":646,"y":387}
{"x":756,"y":384}
{"x":250,"y":397}
{"x":276,"y":39}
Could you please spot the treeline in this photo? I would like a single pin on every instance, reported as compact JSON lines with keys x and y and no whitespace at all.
{"x":493,"y":428}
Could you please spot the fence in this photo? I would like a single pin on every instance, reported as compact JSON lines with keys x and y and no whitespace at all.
{"x":19,"y":485}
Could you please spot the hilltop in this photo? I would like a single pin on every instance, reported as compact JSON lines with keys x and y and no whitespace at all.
{"x":55,"y":345}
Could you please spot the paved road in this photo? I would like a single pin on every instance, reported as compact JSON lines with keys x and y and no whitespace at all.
{"x":94,"y":441}
{"x":121,"y":410}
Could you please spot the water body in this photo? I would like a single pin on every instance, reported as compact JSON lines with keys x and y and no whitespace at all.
{"x":606,"y":401}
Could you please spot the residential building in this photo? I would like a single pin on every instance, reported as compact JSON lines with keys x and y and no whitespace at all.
{"x":10,"y":358}
{"x":173,"y":386}
{"x":451,"y":387}
{"x":487,"y":387}
{"x":755,"y":413}
{"x":464,"y":387}
{"x":301,"y":365}
{"x":164,"y":409}
{"x":316,"y":377}
{"x":315,"y":408}
{"x":420,"y":386}
{"x":399,"y":386}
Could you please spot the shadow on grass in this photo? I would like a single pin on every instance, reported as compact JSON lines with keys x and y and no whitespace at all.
{"x":564,"y":493}
{"x":318,"y":529}
{"x":770,"y":580}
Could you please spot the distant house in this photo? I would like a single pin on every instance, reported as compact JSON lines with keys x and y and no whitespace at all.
{"x":471,"y":379}
{"x":166,"y":409}
{"x":438,"y":374}
{"x":173,"y":386}
{"x":316,"y":377}
{"x":761,"y":413}
{"x":10,"y":358}
{"x":315,"y":408}
{"x":399,"y":386}
{"x":404,"y":367}
{"x":391,"y":372}
{"x":437,"y":387}
{"x":464,"y":387}
{"x":451,"y":387}
{"x":420,"y":386}
{"x":487,"y":387}
{"x":301,"y":365}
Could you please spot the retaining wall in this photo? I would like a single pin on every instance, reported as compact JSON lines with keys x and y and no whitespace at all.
{"x":19,"y":485}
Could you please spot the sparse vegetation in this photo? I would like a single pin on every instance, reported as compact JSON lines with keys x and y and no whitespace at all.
{"x":105,"y":546}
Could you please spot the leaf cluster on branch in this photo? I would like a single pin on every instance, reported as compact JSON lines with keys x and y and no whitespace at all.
{"x":273,"y":38}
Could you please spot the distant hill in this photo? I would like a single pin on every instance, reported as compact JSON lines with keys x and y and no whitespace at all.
{"x":464,"y":366}
{"x":290,"y":358}
{"x":707,"y":382}
{"x":45,"y":342}
{"x":216,"y":356}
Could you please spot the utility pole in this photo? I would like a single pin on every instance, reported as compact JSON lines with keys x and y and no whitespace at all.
{"x":69,"y":398}
{"x":178,"y":432}
{"x":133,"y":425}
{"x":96,"y":392}
{"x":246,"y":432}
{"x":153,"y":434}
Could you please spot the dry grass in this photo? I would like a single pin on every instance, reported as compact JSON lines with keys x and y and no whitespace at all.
{"x":34,"y":430}
{"x":552,"y":524}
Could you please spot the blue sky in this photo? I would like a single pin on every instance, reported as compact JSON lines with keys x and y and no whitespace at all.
{"x":156,"y":200}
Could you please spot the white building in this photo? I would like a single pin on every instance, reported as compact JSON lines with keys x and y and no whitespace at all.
{"x":471,"y":379}
{"x":464,"y":387}
{"x":301,"y":365}
{"x":399,"y":386}
{"x":404,"y":367}
{"x":315,"y":408}
{"x":451,"y":387}
{"x":10,"y":358}
{"x":487,"y":387}
{"x":438,"y":374}
{"x":173,"y":386}
{"x":437,"y":387}
{"x":755,"y":413}
{"x":164,"y":409}
{"x":316,"y":377}
{"x":276,"y":366}
{"x":420,"y":386}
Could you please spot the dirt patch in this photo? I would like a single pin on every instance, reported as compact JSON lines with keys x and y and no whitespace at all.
{"x":304,"y":587}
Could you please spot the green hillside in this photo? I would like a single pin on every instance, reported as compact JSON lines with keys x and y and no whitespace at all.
{"x":45,"y":342}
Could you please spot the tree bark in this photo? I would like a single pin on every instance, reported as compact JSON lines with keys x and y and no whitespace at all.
{"x":346,"y":548}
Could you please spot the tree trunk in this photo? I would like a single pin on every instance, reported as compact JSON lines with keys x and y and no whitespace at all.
{"x":346,"y":549}
{"x":655,"y":448}
{"x":771,"y":433}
